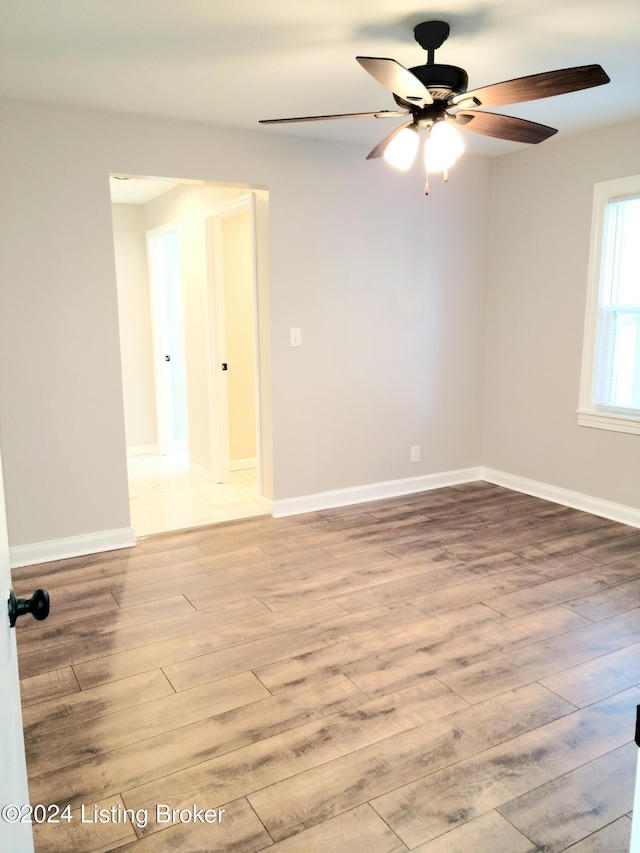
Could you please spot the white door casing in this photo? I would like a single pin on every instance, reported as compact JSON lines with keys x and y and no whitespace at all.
{"x":15,"y":835}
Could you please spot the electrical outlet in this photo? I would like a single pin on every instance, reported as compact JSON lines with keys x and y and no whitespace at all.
{"x":415,"y":453}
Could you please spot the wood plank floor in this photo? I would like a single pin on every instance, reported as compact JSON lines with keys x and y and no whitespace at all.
{"x":451,"y":672}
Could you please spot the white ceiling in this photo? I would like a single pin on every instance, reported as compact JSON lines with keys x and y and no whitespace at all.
{"x":139,"y":190}
{"x":232,"y":63}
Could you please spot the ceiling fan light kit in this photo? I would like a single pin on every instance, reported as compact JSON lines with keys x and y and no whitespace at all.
{"x":434,"y":98}
{"x":443,"y":147}
{"x":402,"y":149}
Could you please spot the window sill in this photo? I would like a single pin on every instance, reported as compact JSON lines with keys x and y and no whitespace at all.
{"x":602,"y":420}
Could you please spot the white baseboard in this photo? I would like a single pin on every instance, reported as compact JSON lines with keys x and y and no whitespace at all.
{"x":238,"y":465}
{"x":265,"y":503}
{"x":144,"y":450}
{"x":596,"y":506}
{"x":74,"y":546}
{"x":373,"y":492}
{"x":201,"y":471}
{"x":397,"y":488}
{"x":111,"y":540}
{"x":243,"y":464}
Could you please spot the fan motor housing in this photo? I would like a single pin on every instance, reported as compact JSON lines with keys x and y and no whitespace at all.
{"x":441,"y":81}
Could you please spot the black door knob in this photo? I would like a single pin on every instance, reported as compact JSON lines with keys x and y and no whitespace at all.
{"x":37,"y":605}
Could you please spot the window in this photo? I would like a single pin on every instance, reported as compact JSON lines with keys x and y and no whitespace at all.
{"x":610,"y":386}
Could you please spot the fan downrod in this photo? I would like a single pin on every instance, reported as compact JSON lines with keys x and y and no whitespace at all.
{"x":431,"y":35}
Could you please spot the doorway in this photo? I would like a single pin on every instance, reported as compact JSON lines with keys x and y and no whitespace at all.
{"x":232,"y":298}
{"x":177,"y":475}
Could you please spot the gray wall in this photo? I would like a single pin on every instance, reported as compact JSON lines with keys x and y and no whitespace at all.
{"x":388,"y":287}
{"x":134,"y":312}
{"x":542,"y":200}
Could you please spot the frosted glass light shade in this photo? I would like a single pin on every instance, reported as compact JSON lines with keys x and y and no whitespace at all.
{"x":401,"y":151}
{"x":443,"y":147}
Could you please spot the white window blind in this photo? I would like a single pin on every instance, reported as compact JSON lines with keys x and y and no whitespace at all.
{"x":617,"y":380}
{"x":610,"y":389}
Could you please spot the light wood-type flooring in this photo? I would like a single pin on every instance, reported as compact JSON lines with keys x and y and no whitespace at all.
{"x":455,"y":671}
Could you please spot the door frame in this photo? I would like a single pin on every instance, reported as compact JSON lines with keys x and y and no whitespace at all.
{"x":216,"y":334}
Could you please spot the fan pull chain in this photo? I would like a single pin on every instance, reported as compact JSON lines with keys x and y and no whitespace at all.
{"x":426,"y":185}
{"x":445,"y":176}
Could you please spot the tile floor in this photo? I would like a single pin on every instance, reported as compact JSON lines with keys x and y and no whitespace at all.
{"x":165,"y":495}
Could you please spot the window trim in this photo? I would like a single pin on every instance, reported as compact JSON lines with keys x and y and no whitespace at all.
{"x":589,"y":413}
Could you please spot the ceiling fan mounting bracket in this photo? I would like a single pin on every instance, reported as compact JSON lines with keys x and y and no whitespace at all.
{"x":442,"y":81}
{"x":431,"y":35}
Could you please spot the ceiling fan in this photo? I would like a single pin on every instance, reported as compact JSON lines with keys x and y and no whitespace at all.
{"x":434,"y":97}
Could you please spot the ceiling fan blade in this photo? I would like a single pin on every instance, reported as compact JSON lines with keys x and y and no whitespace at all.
{"x":505,"y":127}
{"x":379,"y":114}
{"x":397,"y":79}
{"x":537,"y":86}
{"x":381,"y":147}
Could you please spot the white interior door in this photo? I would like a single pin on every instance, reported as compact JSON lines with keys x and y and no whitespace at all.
{"x":15,"y":834}
{"x":635,"y":826}
{"x":168,"y":336}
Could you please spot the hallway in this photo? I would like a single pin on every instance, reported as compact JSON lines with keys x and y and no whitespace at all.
{"x":165,"y":495}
